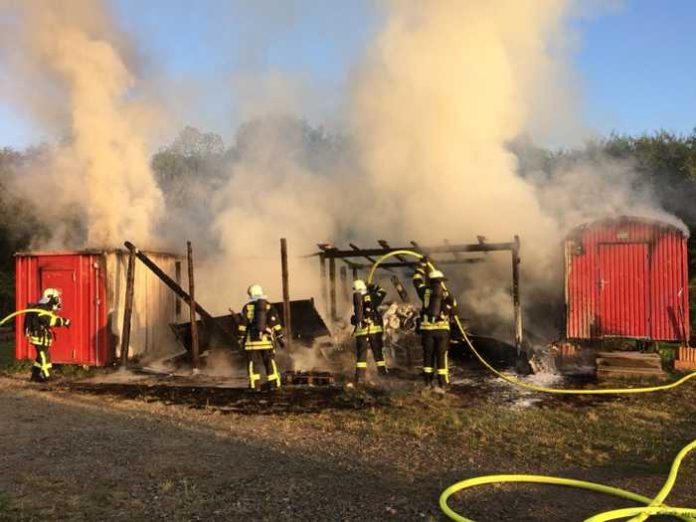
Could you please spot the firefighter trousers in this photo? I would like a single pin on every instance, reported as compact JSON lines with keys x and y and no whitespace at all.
{"x":41,"y":370}
{"x":374,"y":341}
{"x":435,"y":347}
{"x":257,"y":359}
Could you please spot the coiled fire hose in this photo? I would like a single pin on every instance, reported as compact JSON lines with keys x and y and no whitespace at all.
{"x":653,"y":506}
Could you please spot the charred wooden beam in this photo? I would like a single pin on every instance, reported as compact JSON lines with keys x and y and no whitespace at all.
{"x":285,"y":274}
{"x":128,"y":306}
{"x":322,"y":276}
{"x":192,"y":306}
{"x":205,"y":315}
{"x":437,"y":262}
{"x":456,"y":255}
{"x":516,"y":294}
{"x":345,"y":287}
{"x":450,"y":249}
{"x":387,"y":248}
{"x":332,"y":289}
{"x":399,"y":287}
{"x":373,"y":252}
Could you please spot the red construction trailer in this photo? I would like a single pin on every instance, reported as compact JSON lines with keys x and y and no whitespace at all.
{"x":92,"y":283}
{"x":627,"y":277}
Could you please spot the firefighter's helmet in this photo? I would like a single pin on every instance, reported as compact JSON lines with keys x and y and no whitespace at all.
{"x":359,"y":286}
{"x":435,"y":275}
{"x":52,"y":296}
{"x":255,"y":291}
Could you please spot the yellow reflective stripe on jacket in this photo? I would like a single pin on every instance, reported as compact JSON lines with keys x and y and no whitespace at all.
{"x":370,"y":329}
{"x":41,"y":341}
{"x":257,"y":346}
{"x":439,"y":325}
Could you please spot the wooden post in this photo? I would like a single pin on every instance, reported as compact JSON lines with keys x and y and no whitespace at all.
{"x":516,"y":294}
{"x":332,"y":288}
{"x":345,"y":288}
{"x":128,"y":307}
{"x":287,"y":318}
{"x":324,"y":290}
{"x":192,"y":307}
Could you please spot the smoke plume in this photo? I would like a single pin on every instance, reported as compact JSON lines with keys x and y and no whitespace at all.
{"x":434,"y":108}
{"x":70,"y":71}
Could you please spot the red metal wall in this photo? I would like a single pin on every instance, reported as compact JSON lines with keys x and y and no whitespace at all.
{"x":627,"y":277}
{"x":81,"y":278}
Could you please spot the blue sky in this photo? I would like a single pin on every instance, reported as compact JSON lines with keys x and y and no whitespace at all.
{"x":635,"y":63}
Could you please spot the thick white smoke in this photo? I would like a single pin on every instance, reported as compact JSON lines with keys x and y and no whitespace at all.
{"x":68,"y":69}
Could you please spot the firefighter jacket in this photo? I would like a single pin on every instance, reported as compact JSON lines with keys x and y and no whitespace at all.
{"x":439,"y":306}
{"x":259,"y":326}
{"x":366,"y":317}
{"x":38,"y":328}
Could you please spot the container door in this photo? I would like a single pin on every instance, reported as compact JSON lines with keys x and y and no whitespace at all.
{"x":63,"y":349}
{"x":623,"y":290}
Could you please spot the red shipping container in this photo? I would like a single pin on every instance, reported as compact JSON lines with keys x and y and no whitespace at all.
{"x":92,"y":284}
{"x":627,"y":277}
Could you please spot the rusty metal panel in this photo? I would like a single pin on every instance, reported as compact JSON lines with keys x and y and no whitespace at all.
{"x":627,"y":277}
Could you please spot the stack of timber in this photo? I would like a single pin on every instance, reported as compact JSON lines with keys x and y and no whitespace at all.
{"x":686,"y":358}
{"x":618,"y":364}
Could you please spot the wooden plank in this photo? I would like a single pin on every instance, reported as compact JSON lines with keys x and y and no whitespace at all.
{"x":629,"y":355}
{"x":630,"y":371}
{"x":628,"y":363}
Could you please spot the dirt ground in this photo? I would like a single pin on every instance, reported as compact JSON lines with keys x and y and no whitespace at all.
{"x":72,"y":451}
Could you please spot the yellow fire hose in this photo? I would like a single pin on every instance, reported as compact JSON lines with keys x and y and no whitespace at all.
{"x":653,"y":506}
{"x":26,"y":311}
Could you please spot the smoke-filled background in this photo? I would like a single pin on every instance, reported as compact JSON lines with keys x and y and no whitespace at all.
{"x":434,"y":137}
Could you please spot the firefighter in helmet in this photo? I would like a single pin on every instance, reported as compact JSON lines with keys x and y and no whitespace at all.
{"x":38,"y":328}
{"x":368,"y":327}
{"x":259,"y":331}
{"x":439,"y":308}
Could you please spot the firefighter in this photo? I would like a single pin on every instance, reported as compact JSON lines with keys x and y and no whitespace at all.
{"x":259,"y":331}
{"x":439,"y":307}
{"x":368,"y":327}
{"x":38,"y":328}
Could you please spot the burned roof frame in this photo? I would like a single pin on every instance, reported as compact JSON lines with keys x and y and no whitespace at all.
{"x":460,"y":255}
